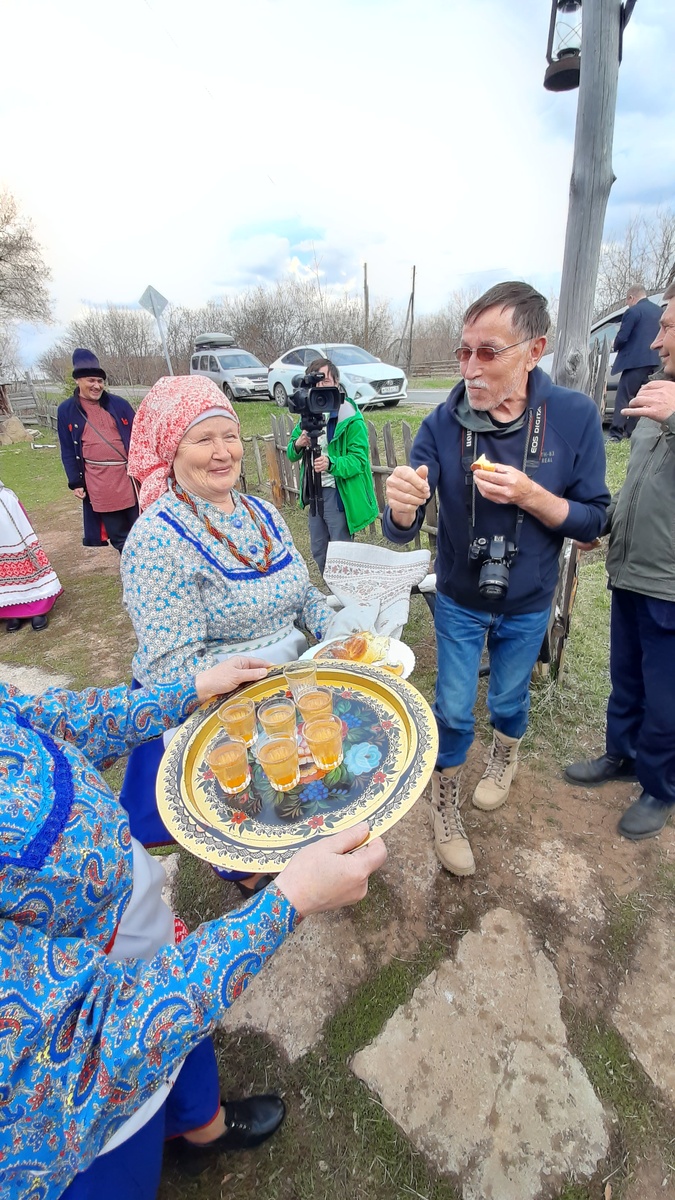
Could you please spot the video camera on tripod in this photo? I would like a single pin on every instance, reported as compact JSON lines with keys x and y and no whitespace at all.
{"x":315,"y":406}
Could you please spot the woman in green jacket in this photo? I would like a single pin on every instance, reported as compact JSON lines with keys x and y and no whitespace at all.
{"x":349,"y":502}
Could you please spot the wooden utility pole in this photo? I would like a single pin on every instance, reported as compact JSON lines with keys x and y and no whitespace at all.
{"x":592,"y":179}
{"x":366,"y":307}
{"x":412,"y":321}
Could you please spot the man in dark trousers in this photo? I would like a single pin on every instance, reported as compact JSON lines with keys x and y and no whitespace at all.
{"x":94,"y":428}
{"x":635,"y":358}
{"x":640,"y":742}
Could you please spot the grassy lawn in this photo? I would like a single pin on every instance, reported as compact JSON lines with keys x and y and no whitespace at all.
{"x":423,"y":382}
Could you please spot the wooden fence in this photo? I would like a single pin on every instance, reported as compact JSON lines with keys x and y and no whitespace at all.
{"x":442,"y":367}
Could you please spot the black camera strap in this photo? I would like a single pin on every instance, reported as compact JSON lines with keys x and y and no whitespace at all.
{"x":534,"y":445}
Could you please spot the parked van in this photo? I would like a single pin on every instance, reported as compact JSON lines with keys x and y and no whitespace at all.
{"x":241,"y":375}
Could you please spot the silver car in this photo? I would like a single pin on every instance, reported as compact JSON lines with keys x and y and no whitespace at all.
{"x":241,"y":375}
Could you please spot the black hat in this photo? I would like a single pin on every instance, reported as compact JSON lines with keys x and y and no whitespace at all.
{"x":86,"y":363}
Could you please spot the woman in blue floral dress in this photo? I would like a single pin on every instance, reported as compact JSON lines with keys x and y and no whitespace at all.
{"x":104,"y":1011}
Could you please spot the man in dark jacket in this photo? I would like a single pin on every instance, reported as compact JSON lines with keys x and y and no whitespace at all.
{"x":641,"y":569}
{"x":500,"y":531}
{"x":94,"y":428}
{"x":635,"y":358}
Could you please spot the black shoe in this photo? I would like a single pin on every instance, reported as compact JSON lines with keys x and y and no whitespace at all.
{"x":601,"y":770}
{"x":14,"y":624}
{"x":40,"y":622}
{"x":249,"y":1123}
{"x":258,"y":887}
{"x":645,"y":818}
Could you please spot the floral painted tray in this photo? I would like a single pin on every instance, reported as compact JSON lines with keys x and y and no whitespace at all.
{"x":389,"y":742}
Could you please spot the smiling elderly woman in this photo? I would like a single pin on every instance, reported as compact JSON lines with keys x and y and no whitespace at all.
{"x":207,"y":571}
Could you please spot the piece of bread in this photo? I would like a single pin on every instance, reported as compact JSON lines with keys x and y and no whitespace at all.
{"x":483,"y":464}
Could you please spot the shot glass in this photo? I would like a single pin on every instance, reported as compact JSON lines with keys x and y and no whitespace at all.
{"x":317,"y":702}
{"x":279,"y":760}
{"x":238,"y":719}
{"x":300,"y":677}
{"x":278,"y":717}
{"x":324,"y":738}
{"x":229,"y":763}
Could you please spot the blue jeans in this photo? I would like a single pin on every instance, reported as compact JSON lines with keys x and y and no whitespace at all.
{"x":331,"y":527}
{"x":514,"y":642}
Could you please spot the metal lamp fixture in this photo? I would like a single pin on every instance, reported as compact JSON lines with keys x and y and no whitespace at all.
{"x":563,"y":52}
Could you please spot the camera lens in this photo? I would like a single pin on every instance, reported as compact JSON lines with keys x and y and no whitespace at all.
{"x":493,"y":581}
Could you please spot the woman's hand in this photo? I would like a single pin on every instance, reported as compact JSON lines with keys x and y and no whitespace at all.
{"x":228,"y":675}
{"x":332,"y":872}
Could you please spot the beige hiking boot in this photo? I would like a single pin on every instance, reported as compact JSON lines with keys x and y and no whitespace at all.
{"x":450,"y":840}
{"x":493,"y":789}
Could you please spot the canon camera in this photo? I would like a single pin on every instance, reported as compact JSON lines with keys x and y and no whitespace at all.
{"x":495,"y":556}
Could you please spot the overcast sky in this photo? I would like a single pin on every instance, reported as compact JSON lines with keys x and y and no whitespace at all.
{"x":209,"y":145}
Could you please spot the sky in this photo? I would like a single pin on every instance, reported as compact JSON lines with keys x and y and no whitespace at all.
{"x":207,"y":146}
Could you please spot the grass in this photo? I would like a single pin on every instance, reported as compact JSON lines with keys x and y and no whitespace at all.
{"x":434,"y":383}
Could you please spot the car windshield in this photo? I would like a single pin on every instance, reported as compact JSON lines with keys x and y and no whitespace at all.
{"x":348,"y":356}
{"x":237,"y":362}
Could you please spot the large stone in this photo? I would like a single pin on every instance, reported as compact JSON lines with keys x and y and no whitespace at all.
{"x":12,"y":430}
{"x":475,"y":1069}
{"x":32,"y":681}
{"x":308,"y":979}
{"x":645,"y":1013}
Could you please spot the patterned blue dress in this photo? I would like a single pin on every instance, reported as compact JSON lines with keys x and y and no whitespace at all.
{"x":191,"y":602}
{"x":86,"y":1041}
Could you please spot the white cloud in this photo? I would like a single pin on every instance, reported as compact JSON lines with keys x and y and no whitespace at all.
{"x":143,"y":136}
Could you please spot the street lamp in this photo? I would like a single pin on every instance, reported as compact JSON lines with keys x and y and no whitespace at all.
{"x":563,"y":51}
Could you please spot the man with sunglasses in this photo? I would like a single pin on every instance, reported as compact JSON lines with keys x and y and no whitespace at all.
{"x":500,"y":532}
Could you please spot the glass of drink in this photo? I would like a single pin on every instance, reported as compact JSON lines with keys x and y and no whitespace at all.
{"x":279,"y":760}
{"x":300,"y":677}
{"x":238,"y":718}
{"x":229,"y":763}
{"x":317,"y":702}
{"x":278,"y":717}
{"x":324,"y":738}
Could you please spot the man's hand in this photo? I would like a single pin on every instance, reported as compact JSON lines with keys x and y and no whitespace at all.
{"x":80,"y":493}
{"x":332,"y":872}
{"x":504,"y":485}
{"x":655,"y":400}
{"x":406,"y":489}
{"x":228,"y":675}
{"x":587,"y":545}
{"x":507,"y":485}
{"x":321,"y":463}
{"x":302,"y":442}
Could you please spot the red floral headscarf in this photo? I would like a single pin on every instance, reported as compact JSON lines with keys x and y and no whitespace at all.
{"x":162,"y":419}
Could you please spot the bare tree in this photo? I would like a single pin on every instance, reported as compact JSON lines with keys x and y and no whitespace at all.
{"x":23,"y":272}
{"x":644,"y":253}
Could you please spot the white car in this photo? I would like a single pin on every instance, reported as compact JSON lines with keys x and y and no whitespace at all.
{"x":365,"y":379}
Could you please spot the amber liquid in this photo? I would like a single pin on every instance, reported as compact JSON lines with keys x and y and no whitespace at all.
{"x":279,"y":761}
{"x":279,"y":720}
{"x":239,"y":721}
{"x":316,"y":703}
{"x":324,"y":738}
{"x":230,"y":767}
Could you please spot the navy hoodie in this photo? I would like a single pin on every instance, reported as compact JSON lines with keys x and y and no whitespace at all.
{"x":572,"y":464}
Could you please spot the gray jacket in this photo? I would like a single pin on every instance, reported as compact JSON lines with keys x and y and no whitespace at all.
{"x":641,"y":554}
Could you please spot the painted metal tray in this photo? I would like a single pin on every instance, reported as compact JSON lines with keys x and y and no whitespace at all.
{"x":390,"y":744}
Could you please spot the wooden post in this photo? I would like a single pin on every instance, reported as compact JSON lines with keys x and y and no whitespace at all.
{"x":366,"y":307}
{"x":592,"y":179}
{"x":412,"y":321}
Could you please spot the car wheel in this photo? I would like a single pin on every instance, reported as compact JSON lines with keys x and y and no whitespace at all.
{"x":228,"y":392}
{"x":391,"y":403}
{"x":280,"y":395}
